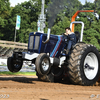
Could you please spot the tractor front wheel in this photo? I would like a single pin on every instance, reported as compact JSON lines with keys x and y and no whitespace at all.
{"x":14,"y":65}
{"x":43,"y":64}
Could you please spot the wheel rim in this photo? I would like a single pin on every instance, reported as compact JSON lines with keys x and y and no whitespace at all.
{"x":91,"y":66}
{"x":45,"y":64}
{"x":17,"y":64}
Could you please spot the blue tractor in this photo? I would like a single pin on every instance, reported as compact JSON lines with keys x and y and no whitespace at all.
{"x":52,"y":65}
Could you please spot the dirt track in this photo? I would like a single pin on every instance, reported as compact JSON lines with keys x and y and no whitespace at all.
{"x":29,"y":88}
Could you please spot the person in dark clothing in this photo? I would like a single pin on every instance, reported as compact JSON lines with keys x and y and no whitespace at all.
{"x":70,"y":39}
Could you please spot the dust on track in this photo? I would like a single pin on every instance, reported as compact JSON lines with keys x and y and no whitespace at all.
{"x":29,"y":88}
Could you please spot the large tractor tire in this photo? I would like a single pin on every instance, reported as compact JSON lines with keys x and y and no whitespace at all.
{"x":84,"y":65}
{"x":14,"y":65}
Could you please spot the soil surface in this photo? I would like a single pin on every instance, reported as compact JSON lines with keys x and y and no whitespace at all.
{"x":29,"y":88}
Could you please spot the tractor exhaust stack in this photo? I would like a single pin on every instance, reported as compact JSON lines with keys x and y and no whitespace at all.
{"x":48,"y":36}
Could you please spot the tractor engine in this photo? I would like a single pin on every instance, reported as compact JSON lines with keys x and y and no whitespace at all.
{"x":53,"y":47}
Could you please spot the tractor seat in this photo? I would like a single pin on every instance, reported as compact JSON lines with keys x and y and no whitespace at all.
{"x":77,"y":36}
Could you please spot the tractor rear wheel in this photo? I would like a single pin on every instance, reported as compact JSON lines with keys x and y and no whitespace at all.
{"x":84,"y":65}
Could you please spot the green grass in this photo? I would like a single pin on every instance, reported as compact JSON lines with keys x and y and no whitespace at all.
{"x":18,"y":73}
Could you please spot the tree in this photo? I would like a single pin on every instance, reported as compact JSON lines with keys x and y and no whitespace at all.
{"x":60,"y":11}
{"x":91,"y":29}
{"x":59,"y":28}
{"x":29,"y":12}
{"x":91,"y":36}
{"x":4,"y":16}
{"x":4,"y":9}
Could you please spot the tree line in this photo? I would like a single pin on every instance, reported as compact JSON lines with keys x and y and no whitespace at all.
{"x":29,"y":11}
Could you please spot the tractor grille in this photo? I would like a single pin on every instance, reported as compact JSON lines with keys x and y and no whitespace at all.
{"x":34,"y":44}
{"x":31,"y":42}
{"x":37,"y":40}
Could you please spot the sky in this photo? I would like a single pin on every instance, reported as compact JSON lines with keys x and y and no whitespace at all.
{"x":15,"y":2}
{"x":83,"y":1}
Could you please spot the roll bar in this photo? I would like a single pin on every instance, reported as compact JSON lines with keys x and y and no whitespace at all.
{"x":78,"y":22}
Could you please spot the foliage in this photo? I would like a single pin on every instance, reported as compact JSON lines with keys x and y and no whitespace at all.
{"x":30,"y":10}
{"x":18,"y":73}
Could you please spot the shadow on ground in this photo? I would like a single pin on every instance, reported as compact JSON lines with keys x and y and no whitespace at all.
{"x":30,"y":80}
{"x":19,"y":79}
